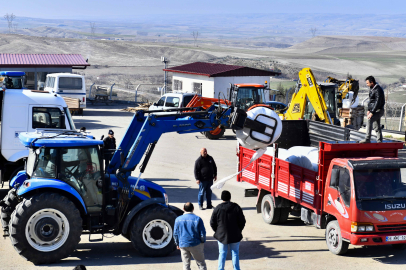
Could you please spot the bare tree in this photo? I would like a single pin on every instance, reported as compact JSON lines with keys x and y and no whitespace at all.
{"x":10,"y":18}
{"x":313,"y":31}
{"x":195,"y":35}
{"x":92,"y":28}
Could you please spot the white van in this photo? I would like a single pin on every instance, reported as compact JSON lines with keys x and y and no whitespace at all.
{"x":172,"y":101}
{"x":67,"y":85}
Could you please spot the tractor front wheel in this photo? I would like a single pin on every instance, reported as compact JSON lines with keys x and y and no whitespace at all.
{"x":152,"y":231}
{"x":45,"y":228}
{"x":214,"y":134}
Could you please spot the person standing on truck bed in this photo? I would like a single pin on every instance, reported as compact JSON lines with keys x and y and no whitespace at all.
{"x":205,"y":172}
{"x":227,"y":222}
{"x":375,"y":110}
{"x":109,"y":145}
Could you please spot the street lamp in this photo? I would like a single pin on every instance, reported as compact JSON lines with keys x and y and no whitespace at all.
{"x":165,"y":61}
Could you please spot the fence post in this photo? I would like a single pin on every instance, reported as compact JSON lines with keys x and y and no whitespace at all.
{"x":401,"y":117}
{"x":90,"y":91}
{"x":136,"y":93}
{"x":111,"y":90}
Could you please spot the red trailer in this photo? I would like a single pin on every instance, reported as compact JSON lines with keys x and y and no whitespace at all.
{"x":358,"y":194}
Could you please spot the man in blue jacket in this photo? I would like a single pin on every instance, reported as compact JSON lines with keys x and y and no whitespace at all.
{"x":190,"y":236}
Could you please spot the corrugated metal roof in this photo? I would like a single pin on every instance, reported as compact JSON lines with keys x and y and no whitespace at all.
{"x":220,"y":70}
{"x":55,"y":60}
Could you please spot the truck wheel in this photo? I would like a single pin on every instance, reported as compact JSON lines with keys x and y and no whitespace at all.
{"x":284,"y":215}
{"x":152,"y":231}
{"x":10,"y":202}
{"x":399,"y":246}
{"x":334,"y":240}
{"x":45,"y":228}
{"x":270,"y":214}
{"x":214,"y":134}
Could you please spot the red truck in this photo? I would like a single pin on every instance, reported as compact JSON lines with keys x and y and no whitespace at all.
{"x":358,"y":193}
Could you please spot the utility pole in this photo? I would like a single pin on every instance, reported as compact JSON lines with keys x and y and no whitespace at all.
{"x":165,"y":61}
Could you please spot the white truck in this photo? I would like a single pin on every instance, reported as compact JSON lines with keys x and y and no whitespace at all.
{"x":24,"y":110}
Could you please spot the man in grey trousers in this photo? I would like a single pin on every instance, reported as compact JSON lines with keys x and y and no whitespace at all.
{"x":375,"y":110}
{"x":190,"y":235}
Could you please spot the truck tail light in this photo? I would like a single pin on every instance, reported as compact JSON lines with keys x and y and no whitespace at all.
{"x":362,"y":227}
{"x":83,"y":99}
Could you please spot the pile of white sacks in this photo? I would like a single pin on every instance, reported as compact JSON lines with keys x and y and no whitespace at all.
{"x":303,"y":156}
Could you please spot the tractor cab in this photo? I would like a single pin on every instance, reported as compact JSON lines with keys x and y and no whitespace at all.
{"x":69,"y":157}
{"x":12,"y":80}
{"x":245,"y":95}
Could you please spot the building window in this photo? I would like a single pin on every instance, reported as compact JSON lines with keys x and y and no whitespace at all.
{"x":197,"y":88}
{"x":177,"y":85}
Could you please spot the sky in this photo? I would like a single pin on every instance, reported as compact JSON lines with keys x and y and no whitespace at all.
{"x":130,"y":9}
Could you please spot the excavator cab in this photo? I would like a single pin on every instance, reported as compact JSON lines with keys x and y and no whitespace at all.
{"x":329,"y":91}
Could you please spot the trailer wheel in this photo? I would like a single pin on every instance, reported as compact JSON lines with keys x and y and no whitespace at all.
{"x":270,"y":214}
{"x":10,"y":203}
{"x":214,"y":134}
{"x":45,"y":228}
{"x":399,"y":246}
{"x":334,"y":240}
{"x":152,"y":231}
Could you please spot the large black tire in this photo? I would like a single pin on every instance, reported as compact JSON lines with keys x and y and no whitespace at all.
{"x":47,"y":217}
{"x":10,"y":202}
{"x":284,"y":215}
{"x":334,"y":240}
{"x":164,"y":219}
{"x":270,"y":214}
{"x":210,"y":136}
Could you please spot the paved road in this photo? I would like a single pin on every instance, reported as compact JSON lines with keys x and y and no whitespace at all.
{"x":290,"y":246}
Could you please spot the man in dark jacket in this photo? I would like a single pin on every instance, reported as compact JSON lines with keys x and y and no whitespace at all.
{"x":227,"y":222}
{"x":109,"y":145}
{"x":375,"y":110}
{"x":205,"y":172}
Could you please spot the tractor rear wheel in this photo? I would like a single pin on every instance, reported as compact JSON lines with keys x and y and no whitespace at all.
{"x":214,"y":134}
{"x":152,"y":231}
{"x":45,"y":228}
{"x":10,"y":203}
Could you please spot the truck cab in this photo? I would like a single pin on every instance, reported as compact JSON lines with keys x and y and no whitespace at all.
{"x":368,"y":198}
{"x":24,"y":110}
{"x":172,"y":101}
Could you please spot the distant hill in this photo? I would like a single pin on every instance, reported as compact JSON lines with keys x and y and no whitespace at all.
{"x":349,"y":44}
{"x":102,"y":52}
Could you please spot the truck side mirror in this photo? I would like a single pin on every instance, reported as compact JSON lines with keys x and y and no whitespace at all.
{"x":155,"y":104}
{"x":62,"y":121}
{"x":335,"y":173}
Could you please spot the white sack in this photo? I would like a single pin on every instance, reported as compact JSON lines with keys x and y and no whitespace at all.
{"x":301,"y":161}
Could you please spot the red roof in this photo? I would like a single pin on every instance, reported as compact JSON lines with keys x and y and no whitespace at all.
{"x":220,"y":70}
{"x":54,"y":60}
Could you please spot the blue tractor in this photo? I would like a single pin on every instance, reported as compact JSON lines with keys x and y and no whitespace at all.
{"x":65,"y":191}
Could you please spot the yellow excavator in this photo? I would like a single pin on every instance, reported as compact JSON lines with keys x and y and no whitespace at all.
{"x":345,"y":86}
{"x":309,"y":94}
{"x":323,"y":101}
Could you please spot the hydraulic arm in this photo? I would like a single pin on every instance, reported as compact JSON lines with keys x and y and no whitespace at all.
{"x":311,"y":91}
{"x":146,"y":128}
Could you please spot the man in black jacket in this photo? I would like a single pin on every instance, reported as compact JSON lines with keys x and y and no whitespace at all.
{"x":109,"y":145}
{"x":227,"y":222}
{"x":205,"y":172}
{"x":375,"y":110}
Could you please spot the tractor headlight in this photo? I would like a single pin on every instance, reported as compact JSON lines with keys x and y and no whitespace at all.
{"x":166,"y":199}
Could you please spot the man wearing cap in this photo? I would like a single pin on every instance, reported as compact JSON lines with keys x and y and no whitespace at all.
{"x":109,"y":145}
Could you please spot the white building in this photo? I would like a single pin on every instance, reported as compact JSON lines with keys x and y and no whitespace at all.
{"x":209,"y":79}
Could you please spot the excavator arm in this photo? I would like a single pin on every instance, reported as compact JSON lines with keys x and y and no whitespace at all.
{"x":311,"y":91}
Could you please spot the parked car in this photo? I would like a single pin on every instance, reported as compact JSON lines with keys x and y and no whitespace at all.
{"x":276,"y":105}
